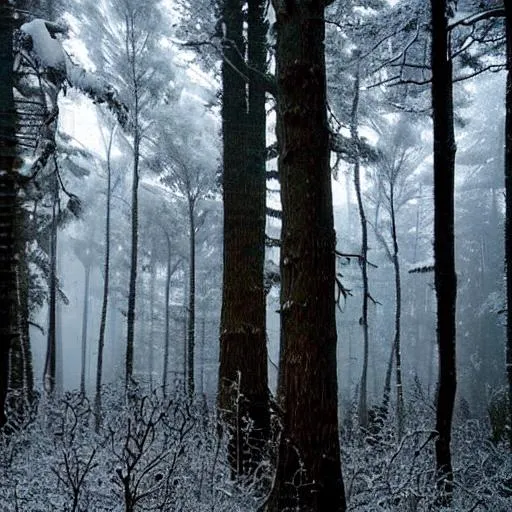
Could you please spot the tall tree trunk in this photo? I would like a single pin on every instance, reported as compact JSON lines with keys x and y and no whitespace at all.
{"x":508,"y":215}
{"x":132,"y":291}
{"x":398,"y":316}
{"x":363,"y":391}
{"x":106,"y":285}
{"x":243,"y":381}
{"x":51,"y":346}
{"x":308,"y":474}
{"x":168,"y":274}
{"x":8,"y":203}
{"x":191,"y":327}
{"x":21,"y":376}
{"x":201,"y":355}
{"x":444,"y":254}
{"x":151,"y":347}
{"x":85,"y":321}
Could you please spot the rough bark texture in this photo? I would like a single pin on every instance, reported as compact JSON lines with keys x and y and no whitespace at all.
{"x":308,"y":474}
{"x":21,"y":375}
{"x":444,"y":268}
{"x":243,"y":388}
{"x":508,"y":216}
{"x":8,"y":300}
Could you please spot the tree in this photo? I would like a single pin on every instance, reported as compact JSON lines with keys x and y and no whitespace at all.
{"x":137,"y":33}
{"x":399,"y":157}
{"x":444,"y":257}
{"x":308,"y":474}
{"x":106,"y":284}
{"x":354,"y":116}
{"x":185,"y":155}
{"x":142,"y":76}
{"x":508,"y":206}
{"x":8,"y":202}
{"x":243,"y":388}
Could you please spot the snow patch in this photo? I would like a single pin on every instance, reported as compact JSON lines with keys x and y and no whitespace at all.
{"x":48,"y":49}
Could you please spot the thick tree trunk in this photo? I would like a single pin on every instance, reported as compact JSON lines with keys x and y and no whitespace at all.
{"x":508,"y":215}
{"x":8,"y":203}
{"x":106,"y":286}
{"x":445,"y":277}
{"x":243,"y":387}
{"x":85,"y":321}
{"x":308,"y":474}
{"x":363,"y":391}
{"x":191,"y":327}
{"x":21,"y":375}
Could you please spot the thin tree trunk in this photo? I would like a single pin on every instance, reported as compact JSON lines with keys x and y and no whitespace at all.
{"x":444,"y":254}
{"x":243,"y":381}
{"x":308,"y":474}
{"x":167,"y":315}
{"x":185,"y":339}
{"x":151,"y":347}
{"x":201,"y":358}
{"x":191,"y":328}
{"x":85,"y":321}
{"x":363,"y":391}
{"x":398,"y":314}
{"x":508,"y":215}
{"x":8,"y":204}
{"x":51,"y":347}
{"x":132,"y":292}
{"x":106,"y":285}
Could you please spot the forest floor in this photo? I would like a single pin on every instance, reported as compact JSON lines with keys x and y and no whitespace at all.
{"x":157,"y":453}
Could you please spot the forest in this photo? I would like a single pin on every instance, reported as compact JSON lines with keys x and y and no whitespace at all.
{"x":255,"y":255}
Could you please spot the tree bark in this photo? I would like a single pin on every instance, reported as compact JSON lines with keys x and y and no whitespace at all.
{"x":191,"y":327}
{"x":85,"y":321}
{"x":106,"y":286}
{"x":363,"y":262}
{"x":167,"y":315}
{"x":151,"y":347}
{"x":398,"y":316}
{"x":132,"y":291}
{"x":8,"y":203}
{"x":50,"y":366}
{"x":21,"y":375}
{"x":508,"y":202}
{"x":444,"y":253}
{"x":243,"y":385}
{"x":308,"y":474}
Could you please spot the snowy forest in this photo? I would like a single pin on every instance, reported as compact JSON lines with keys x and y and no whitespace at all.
{"x":255,"y":256}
